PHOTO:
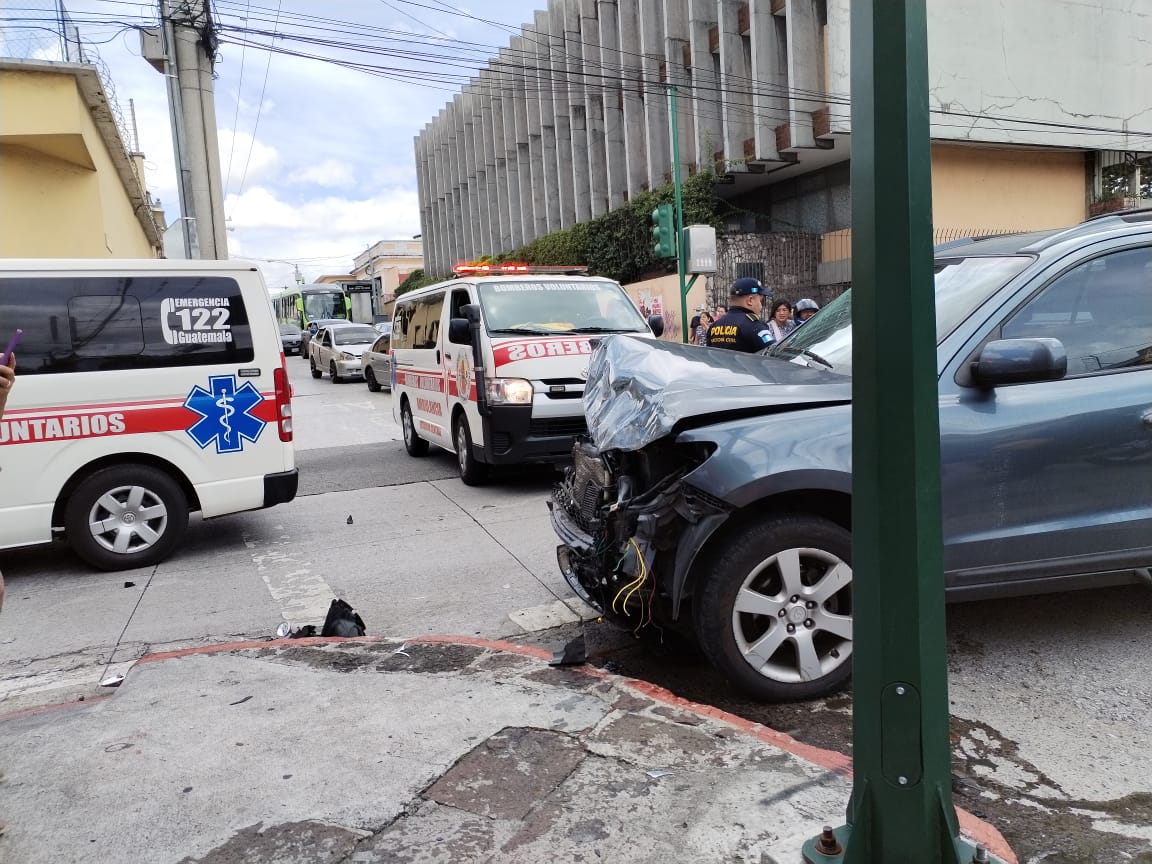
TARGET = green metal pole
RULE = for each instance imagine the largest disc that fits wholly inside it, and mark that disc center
(674, 125)
(901, 810)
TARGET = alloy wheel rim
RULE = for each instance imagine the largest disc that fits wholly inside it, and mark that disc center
(792, 617)
(128, 519)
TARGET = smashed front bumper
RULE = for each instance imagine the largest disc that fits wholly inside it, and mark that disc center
(627, 554)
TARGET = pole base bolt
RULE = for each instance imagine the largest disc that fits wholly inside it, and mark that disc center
(980, 856)
(827, 844)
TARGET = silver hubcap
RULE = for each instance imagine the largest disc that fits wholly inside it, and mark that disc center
(409, 432)
(461, 448)
(793, 616)
(128, 519)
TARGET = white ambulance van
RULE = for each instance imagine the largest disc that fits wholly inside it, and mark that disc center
(145, 390)
(491, 365)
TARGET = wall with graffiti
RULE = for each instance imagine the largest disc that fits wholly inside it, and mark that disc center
(661, 296)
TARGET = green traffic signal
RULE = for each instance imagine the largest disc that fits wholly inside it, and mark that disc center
(663, 232)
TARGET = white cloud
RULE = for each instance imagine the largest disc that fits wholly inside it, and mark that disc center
(322, 235)
(244, 160)
(330, 172)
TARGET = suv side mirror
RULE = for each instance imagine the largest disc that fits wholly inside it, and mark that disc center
(656, 323)
(1019, 361)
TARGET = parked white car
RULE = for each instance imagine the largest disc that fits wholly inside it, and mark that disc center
(377, 363)
(337, 348)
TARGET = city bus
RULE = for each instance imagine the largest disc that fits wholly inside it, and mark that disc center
(302, 304)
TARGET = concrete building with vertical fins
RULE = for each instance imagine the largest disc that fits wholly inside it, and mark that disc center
(1034, 126)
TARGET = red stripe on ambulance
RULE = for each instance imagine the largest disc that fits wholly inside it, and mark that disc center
(70, 426)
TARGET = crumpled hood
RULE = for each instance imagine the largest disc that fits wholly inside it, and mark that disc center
(639, 390)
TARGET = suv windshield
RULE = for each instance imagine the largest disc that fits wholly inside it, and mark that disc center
(962, 285)
(585, 306)
(353, 335)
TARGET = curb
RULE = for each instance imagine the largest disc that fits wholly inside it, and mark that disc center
(972, 827)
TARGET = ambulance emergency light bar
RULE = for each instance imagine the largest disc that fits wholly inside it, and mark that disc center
(513, 269)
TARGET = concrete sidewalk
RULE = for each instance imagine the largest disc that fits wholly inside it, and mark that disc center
(434, 750)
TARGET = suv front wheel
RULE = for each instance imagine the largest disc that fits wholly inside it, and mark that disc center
(773, 609)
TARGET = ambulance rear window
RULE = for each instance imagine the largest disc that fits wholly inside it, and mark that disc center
(105, 323)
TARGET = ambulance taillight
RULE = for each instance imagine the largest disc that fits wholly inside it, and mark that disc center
(283, 399)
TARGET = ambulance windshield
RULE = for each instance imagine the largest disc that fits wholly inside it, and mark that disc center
(562, 306)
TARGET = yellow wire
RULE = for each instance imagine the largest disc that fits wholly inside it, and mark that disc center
(633, 585)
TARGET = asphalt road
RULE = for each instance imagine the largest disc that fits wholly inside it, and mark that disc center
(1050, 722)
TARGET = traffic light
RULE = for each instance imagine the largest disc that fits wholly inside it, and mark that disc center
(663, 232)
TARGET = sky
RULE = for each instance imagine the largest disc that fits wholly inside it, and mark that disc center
(317, 159)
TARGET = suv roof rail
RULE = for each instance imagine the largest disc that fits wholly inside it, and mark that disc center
(1132, 214)
(1094, 225)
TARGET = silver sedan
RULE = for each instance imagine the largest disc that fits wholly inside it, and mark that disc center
(376, 362)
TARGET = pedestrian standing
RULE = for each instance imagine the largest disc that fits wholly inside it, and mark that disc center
(701, 332)
(805, 309)
(780, 322)
(742, 329)
(693, 325)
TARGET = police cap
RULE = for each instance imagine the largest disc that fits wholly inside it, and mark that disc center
(746, 285)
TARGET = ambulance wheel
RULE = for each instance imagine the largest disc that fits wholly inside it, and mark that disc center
(316, 373)
(126, 516)
(370, 377)
(413, 443)
(473, 473)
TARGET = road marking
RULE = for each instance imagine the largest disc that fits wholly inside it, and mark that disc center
(302, 595)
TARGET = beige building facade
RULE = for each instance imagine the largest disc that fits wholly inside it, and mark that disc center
(988, 190)
(69, 185)
(386, 264)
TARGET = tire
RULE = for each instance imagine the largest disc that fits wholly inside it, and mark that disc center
(370, 377)
(316, 373)
(473, 473)
(413, 443)
(107, 498)
(785, 571)
(332, 372)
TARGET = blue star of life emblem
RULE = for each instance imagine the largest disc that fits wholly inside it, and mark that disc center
(225, 414)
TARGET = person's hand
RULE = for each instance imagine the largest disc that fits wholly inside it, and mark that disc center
(7, 379)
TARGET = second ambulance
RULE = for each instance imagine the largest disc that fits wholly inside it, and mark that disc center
(491, 365)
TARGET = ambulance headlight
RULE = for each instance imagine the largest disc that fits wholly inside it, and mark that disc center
(508, 391)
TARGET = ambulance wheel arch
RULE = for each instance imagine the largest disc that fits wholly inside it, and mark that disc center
(472, 471)
(141, 504)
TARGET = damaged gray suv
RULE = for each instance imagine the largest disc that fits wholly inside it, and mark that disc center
(714, 494)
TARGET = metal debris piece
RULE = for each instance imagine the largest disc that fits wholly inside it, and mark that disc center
(349, 518)
(112, 681)
(240, 701)
(574, 653)
(129, 584)
(657, 773)
(401, 650)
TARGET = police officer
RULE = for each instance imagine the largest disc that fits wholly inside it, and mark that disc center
(741, 328)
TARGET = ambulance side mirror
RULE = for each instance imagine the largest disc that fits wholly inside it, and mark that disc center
(459, 331)
(656, 323)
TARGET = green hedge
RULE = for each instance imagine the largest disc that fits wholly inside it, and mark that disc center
(619, 243)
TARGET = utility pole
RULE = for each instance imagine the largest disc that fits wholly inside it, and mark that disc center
(184, 50)
(901, 810)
